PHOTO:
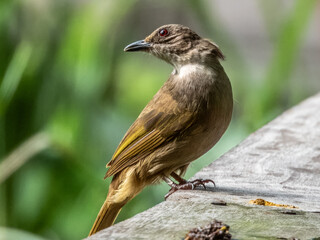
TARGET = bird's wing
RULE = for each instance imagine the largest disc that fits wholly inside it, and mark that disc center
(151, 129)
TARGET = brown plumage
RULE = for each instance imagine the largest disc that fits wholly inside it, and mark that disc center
(185, 118)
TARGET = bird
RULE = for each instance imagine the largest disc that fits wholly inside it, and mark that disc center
(183, 120)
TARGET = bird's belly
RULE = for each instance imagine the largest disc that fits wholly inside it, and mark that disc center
(184, 149)
(199, 142)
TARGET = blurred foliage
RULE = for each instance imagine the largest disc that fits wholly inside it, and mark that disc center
(68, 93)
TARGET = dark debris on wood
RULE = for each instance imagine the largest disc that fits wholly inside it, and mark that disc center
(213, 231)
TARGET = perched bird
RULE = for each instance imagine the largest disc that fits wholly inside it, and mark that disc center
(185, 118)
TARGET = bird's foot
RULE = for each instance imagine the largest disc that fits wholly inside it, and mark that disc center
(187, 185)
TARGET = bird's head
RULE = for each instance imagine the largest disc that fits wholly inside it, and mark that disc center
(177, 45)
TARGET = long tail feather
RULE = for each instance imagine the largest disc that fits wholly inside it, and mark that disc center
(106, 216)
(123, 187)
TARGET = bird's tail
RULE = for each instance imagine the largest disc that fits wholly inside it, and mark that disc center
(106, 216)
(122, 189)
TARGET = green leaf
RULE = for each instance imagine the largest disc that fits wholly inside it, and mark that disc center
(14, 74)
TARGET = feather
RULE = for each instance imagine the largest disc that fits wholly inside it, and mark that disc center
(152, 128)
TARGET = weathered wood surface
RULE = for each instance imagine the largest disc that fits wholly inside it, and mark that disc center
(279, 163)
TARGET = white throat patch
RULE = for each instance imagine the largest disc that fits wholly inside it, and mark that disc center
(188, 69)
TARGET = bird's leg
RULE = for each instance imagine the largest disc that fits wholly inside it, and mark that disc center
(173, 185)
(183, 184)
(196, 182)
(178, 178)
(169, 182)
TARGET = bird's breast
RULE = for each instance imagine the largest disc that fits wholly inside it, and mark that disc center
(206, 92)
(192, 86)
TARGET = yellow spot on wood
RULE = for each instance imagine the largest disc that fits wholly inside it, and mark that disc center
(263, 202)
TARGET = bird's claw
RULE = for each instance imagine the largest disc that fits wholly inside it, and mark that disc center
(188, 185)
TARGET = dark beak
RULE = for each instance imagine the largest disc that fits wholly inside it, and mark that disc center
(137, 46)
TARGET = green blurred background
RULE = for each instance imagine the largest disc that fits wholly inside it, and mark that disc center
(68, 93)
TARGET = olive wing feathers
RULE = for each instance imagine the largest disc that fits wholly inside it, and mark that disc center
(147, 133)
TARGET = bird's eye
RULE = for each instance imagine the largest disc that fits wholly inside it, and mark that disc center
(163, 32)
